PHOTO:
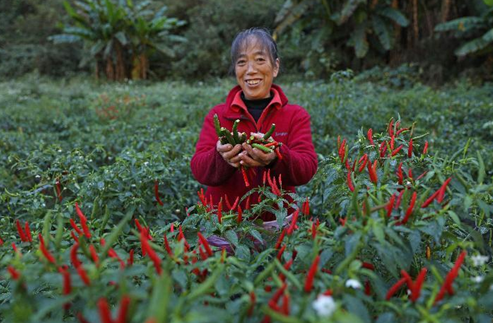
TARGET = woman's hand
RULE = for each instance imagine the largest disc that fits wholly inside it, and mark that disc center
(254, 157)
(229, 153)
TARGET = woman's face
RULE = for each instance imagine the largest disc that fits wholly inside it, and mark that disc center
(255, 71)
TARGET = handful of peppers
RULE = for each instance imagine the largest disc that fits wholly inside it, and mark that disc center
(266, 143)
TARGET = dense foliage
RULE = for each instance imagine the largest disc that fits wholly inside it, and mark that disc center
(315, 38)
(122, 153)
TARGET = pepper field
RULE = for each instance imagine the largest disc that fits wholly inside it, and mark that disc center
(401, 235)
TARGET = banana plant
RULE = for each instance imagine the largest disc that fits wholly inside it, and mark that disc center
(480, 28)
(119, 35)
(368, 23)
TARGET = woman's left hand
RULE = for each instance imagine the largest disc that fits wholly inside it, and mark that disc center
(253, 157)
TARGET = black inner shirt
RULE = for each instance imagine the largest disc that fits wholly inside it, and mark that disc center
(256, 107)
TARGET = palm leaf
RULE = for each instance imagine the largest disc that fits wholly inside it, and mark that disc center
(382, 32)
(291, 14)
(461, 24)
(476, 45)
(347, 11)
(394, 15)
(360, 41)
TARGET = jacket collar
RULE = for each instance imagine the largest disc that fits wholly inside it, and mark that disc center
(235, 104)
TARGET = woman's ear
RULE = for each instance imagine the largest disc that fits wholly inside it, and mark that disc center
(276, 67)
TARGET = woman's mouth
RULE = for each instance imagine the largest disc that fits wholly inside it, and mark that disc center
(252, 82)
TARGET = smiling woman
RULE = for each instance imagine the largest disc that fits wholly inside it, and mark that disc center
(257, 103)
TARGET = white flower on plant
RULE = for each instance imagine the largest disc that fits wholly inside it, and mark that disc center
(478, 279)
(353, 283)
(324, 305)
(479, 260)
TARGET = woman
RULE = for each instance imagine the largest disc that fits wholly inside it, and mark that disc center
(257, 103)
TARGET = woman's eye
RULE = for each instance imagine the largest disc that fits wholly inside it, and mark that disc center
(240, 62)
(260, 59)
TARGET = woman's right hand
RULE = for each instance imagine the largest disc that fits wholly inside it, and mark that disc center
(229, 153)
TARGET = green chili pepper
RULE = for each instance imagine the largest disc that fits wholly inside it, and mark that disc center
(264, 149)
(225, 132)
(235, 131)
(270, 132)
(217, 125)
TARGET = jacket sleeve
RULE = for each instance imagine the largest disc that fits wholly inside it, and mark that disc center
(299, 160)
(208, 167)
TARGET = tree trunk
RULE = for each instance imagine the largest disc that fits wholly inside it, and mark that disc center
(445, 10)
(120, 62)
(110, 70)
(415, 23)
(143, 66)
(394, 52)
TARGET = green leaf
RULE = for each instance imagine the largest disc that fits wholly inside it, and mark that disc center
(256, 235)
(394, 15)
(159, 300)
(382, 32)
(461, 24)
(232, 237)
(357, 307)
(361, 45)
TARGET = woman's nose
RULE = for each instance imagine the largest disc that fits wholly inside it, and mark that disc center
(251, 68)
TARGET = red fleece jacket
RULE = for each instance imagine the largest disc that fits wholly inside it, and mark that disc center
(299, 162)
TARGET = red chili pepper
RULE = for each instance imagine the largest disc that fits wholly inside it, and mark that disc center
(418, 284)
(75, 227)
(73, 255)
(247, 203)
(305, 209)
(181, 236)
(83, 275)
(370, 136)
(348, 167)
(392, 141)
(67, 286)
(28, 232)
(449, 279)
(293, 222)
(367, 265)
(422, 175)
(311, 274)
(410, 149)
(45, 251)
(342, 151)
(362, 162)
(408, 278)
(285, 304)
(205, 243)
(430, 199)
(166, 245)
(390, 205)
(201, 196)
(279, 240)
(15, 274)
(425, 148)
(58, 190)
(219, 212)
(367, 288)
(122, 312)
(409, 210)
(245, 176)
(343, 221)
(83, 221)
(104, 311)
(391, 127)
(278, 153)
(240, 215)
(130, 260)
(350, 182)
(152, 254)
(410, 173)
(315, 228)
(372, 170)
(156, 193)
(277, 295)
(94, 254)
(253, 299)
(74, 236)
(400, 131)
(394, 152)
(1, 242)
(15, 249)
(112, 253)
(399, 199)
(395, 288)
(20, 231)
(383, 149)
(280, 252)
(441, 191)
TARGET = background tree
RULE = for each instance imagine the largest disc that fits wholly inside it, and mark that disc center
(119, 35)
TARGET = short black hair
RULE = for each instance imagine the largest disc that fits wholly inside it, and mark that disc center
(261, 35)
